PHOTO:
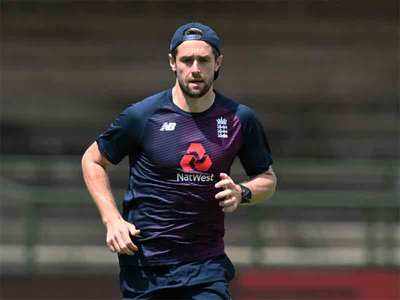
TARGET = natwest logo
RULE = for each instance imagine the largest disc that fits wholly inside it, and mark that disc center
(194, 163)
(196, 159)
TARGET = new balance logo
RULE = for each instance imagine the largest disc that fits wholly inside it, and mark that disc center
(168, 126)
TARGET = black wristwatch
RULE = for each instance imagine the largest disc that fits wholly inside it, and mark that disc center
(246, 194)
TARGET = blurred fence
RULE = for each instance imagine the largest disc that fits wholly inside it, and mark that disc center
(371, 240)
(51, 225)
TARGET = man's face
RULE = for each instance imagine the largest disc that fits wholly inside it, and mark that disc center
(195, 65)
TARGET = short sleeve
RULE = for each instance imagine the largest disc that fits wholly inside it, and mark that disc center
(255, 153)
(119, 139)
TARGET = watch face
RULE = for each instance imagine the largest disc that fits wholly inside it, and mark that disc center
(246, 194)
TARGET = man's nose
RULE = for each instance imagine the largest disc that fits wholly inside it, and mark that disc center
(195, 67)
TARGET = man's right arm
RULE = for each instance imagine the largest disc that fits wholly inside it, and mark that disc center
(94, 169)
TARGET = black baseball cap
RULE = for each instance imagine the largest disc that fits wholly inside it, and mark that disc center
(195, 31)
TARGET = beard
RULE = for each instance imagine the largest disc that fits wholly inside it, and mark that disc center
(195, 93)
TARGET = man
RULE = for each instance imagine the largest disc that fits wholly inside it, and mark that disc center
(181, 144)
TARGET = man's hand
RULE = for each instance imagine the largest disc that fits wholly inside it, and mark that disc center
(231, 195)
(118, 236)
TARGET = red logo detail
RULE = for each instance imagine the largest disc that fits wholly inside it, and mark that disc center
(196, 159)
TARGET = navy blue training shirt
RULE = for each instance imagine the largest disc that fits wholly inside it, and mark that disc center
(175, 159)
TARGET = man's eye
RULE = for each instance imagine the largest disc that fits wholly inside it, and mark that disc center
(203, 59)
(186, 60)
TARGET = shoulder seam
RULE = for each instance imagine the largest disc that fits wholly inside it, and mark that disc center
(157, 98)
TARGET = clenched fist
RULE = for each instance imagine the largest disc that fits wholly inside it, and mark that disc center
(230, 196)
(119, 236)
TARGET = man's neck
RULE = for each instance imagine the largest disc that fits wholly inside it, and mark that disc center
(190, 104)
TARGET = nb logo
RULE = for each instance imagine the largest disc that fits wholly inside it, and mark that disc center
(168, 126)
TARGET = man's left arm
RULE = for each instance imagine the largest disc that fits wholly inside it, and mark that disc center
(261, 186)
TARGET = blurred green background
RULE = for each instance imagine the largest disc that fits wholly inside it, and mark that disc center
(323, 77)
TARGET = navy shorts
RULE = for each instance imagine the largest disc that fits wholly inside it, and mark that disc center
(200, 280)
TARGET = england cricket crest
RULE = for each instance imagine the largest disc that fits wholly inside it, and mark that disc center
(222, 128)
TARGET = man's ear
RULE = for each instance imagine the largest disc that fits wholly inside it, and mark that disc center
(172, 62)
(218, 62)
